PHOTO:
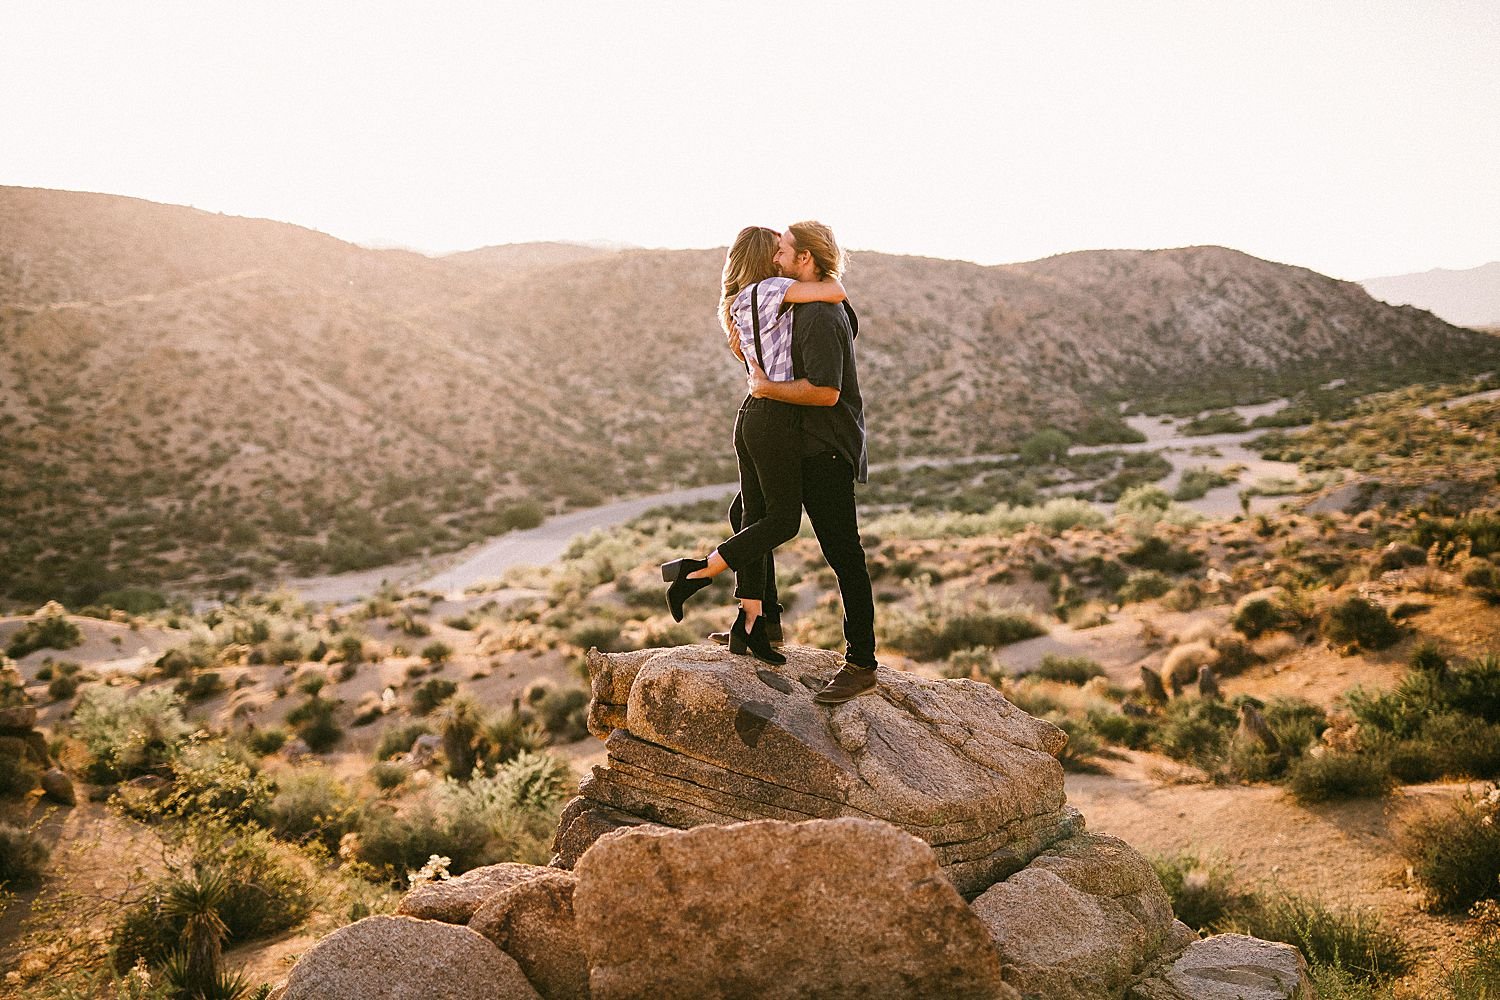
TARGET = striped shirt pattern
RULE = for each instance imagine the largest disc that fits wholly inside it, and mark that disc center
(775, 327)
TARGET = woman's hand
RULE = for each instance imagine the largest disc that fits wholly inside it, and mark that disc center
(756, 382)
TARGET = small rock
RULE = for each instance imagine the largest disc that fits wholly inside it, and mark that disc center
(402, 958)
(454, 900)
(58, 787)
(1229, 967)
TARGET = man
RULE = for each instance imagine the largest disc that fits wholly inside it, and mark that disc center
(825, 380)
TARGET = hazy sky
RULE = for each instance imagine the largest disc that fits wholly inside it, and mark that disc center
(1357, 138)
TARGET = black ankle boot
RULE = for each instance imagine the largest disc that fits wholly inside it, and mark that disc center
(676, 573)
(754, 641)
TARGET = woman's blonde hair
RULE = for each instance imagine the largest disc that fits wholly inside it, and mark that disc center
(751, 258)
(817, 239)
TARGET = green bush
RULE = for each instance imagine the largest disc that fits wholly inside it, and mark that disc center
(1158, 554)
(1081, 752)
(431, 693)
(52, 632)
(1144, 585)
(312, 803)
(128, 735)
(1195, 483)
(1338, 775)
(133, 600)
(938, 627)
(268, 891)
(1354, 942)
(209, 781)
(1257, 614)
(1067, 669)
(22, 857)
(398, 739)
(597, 632)
(62, 687)
(18, 775)
(200, 686)
(1357, 621)
(387, 775)
(314, 723)
(563, 713)
(266, 741)
(1454, 851)
(1203, 893)
(437, 652)
(1196, 731)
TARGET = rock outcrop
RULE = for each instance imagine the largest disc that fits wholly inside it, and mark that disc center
(696, 735)
(743, 841)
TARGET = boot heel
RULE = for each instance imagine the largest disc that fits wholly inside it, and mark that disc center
(738, 641)
(670, 570)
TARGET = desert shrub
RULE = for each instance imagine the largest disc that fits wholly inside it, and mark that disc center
(597, 632)
(398, 739)
(313, 804)
(1256, 614)
(1045, 447)
(1357, 621)
(209, 782)
(200, 686)
(18, 775)
(437, 652)
(267, 891)
(660, 633)
(431, 693)
(1067, 669)
(351, 649)
(266, 741)
(1196, 483)
(387, 775)
(1297, 723)
(127, 736)
(939, 626)
(1355, 942)
(1081, 752)
(1454, 850)
(1219, 422)
(1478, 530)
(1485, 578)
(1144, 585)
(1338, 775)
(1120, 729)
(461, 725)
(312, 683)
(1235, 654)
(23, 856)
(974, 663)
(564, 714)
(315, 724)
(1441, 719)
(506, 735)
(133, 600)
(1195, 730)
(1203, 893)
(61, 687)
(52, 632)
(1156, 553)
(505, 816)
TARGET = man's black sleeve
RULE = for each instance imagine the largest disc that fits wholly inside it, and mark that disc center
(823, 348)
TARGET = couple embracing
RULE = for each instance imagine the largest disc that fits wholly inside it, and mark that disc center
(800, 441)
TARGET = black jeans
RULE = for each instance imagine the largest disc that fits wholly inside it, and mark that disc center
(828, 496)
(768, 444)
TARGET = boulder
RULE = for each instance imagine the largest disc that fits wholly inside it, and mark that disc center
(1229, 967)
(454, 900)
(532, 922)
(17, 718)
(770, 909)
(696, 735)
(402, 958)
(1081, 921)
(58, 787)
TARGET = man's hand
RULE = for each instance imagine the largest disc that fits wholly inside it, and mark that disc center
(732, 339)
(756, 382)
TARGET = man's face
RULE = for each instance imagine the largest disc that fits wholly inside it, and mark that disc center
(786, 258)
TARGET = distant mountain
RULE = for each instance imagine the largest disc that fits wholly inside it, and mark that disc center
(1466, 298)
(201, 401)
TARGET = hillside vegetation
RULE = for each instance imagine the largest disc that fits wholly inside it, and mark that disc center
(202, 403)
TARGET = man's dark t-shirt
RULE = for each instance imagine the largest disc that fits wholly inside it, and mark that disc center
(823, 353)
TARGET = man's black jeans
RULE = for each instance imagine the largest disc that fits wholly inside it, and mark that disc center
(828, 496)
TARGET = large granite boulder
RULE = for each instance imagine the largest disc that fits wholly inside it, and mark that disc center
(454, 900)
(1081, 921)
(532, 922)
(1229, 967)
(403, 958)
(769, 909)
(696, 735)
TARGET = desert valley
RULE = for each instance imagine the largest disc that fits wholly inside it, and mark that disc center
(291, 636)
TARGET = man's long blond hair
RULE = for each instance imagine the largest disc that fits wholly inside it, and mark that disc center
(751, 258)
(817, 239)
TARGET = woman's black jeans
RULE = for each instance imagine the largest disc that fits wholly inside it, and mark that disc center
(768, 444)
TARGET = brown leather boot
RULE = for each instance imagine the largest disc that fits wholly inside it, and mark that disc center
(849, 682)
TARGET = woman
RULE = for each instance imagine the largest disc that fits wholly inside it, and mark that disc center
(754, 310)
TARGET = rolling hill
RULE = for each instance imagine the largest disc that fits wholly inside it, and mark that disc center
(200, 402)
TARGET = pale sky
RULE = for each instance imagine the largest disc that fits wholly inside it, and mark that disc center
(1355, 137)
